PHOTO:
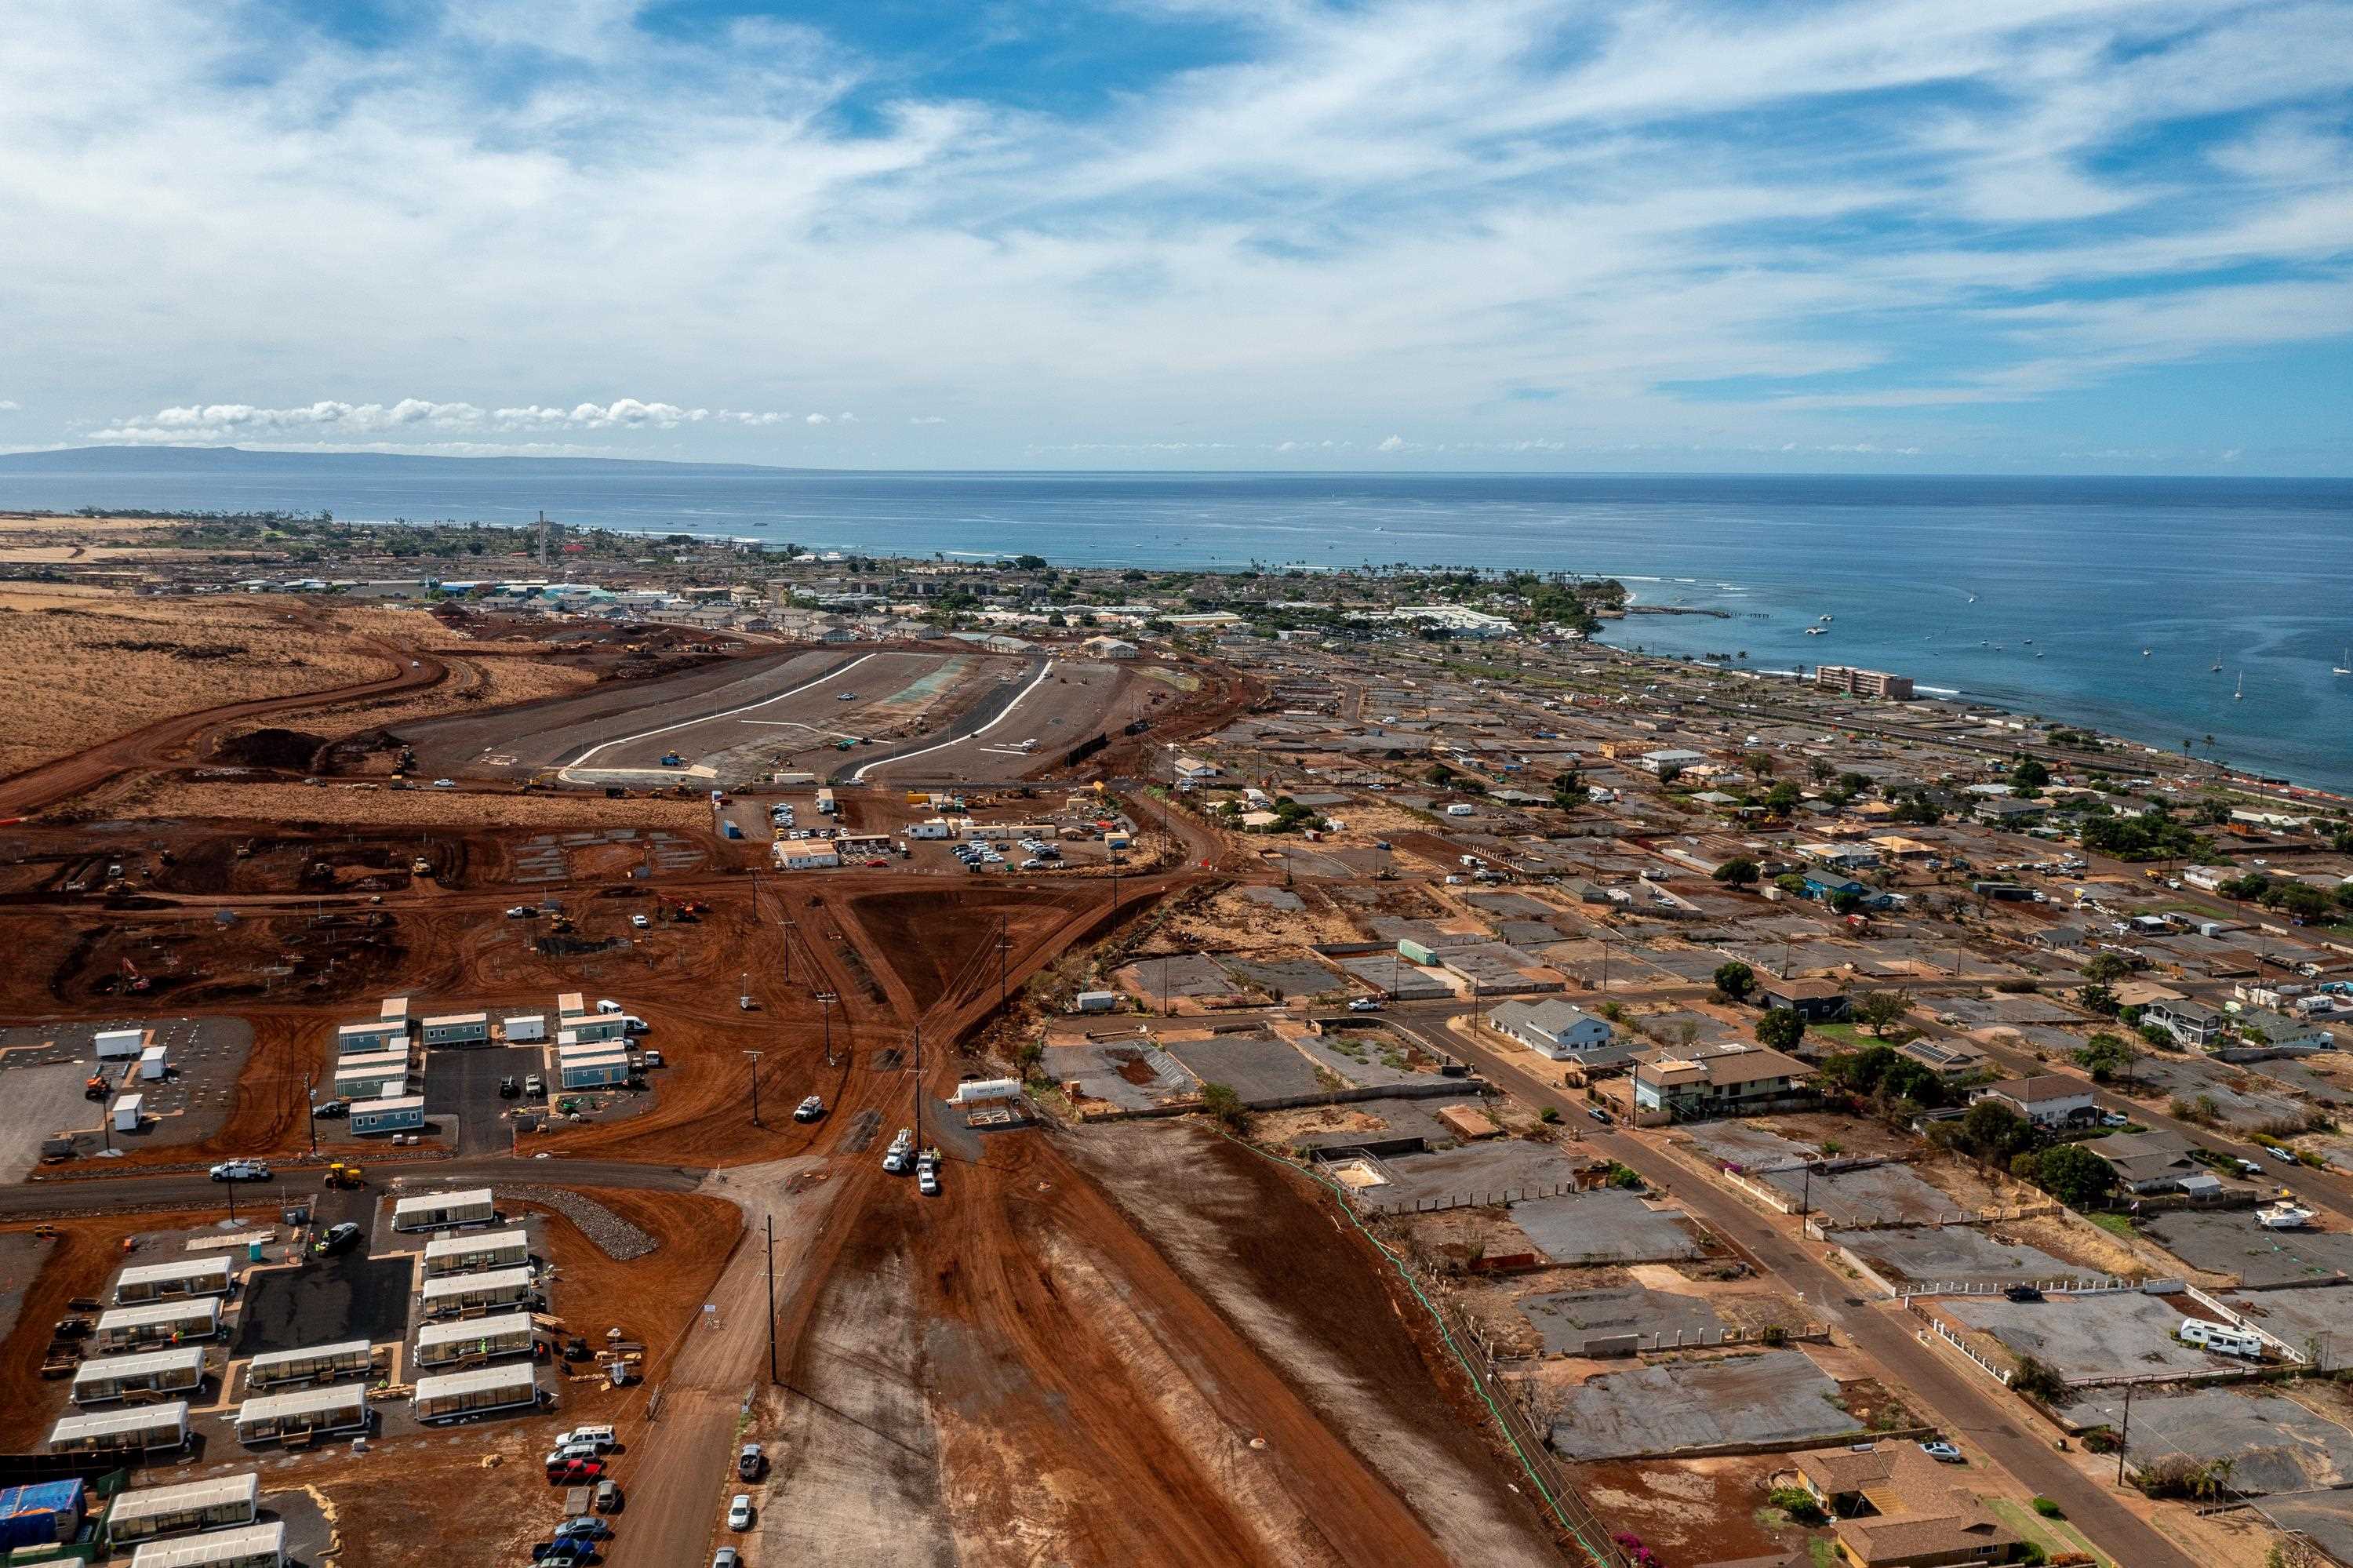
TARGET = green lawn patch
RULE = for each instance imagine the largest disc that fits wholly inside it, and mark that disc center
(2055, 1536)
(2116, 1223)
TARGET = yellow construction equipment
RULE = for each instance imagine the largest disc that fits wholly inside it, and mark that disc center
(339, 1174)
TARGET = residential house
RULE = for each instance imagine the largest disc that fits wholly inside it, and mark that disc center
(1891, 1506)
(2048, 1099)
(1815, 1000)
(2150, 1162)
(1950, 1059)
(1671, 760)
(2278, 1031)
(1682, 1084)
(2190, 1022)
(2007, 812)
(1560, 1029)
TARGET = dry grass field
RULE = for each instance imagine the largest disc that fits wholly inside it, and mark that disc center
(342, 805)
(87, 665)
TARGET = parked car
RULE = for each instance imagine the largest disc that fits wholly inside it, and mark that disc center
(534, 1085)
(576, 1472)
(520, 912)
(1598, 1114)
(587, 1525)
(739, 1511)
(1943, 1452)
(653, 1058)
(2114, 1118)
(725, 1557)
(1365, 1004)
(333, 1110)
(445, 783)
(598, 1437)
(608, 1497)
(340, 1238)
(567, 1451)
(751, 1463)
(2023, 1293)
(639, 921)
(810, 1108)
(927, 1177)
(241, 1170)
(607, 1004)
(509, 1088)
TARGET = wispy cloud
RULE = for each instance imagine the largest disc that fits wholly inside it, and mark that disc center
(1819, 228)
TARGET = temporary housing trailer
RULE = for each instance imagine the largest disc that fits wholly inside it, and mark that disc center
(180, 1370)
(129, 1112)
(318, 1363)
(524, 1026)
(246, 1546)
(120, 1044)
(154, 1064)
(440, 1211)
(365, 1077)
(140, 1428)
(309, 1412)
(475, 1392)
(158, 1323)
(152, 1511)
(464, 1255)
(590, 1027)
(389, 1112)
(453, 1294)
(371, 1039)
(394, 1011)
(602, 1070)
(474, 1339)
(459, 1029)
(176, 1281)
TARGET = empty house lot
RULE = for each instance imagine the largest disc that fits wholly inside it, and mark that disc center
(1179, 978)
(44, 1101)
(2317, 1324)
(1956, 1254)
(2325, 1518)
(2274, 1443)
(1693, 1406)
(1282, 978)
(1119, 1076)
(1262, 1070)
(1392, 976)
(1568, 1320)
(1472, 1174)
(2228, 1241)
(1606, 1226)
(1871, 1194)
(2088, 1338)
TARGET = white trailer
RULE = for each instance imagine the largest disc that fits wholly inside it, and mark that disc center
(524, 1027)
(458, 1029)
(455, 1294)
(140, 1429)
(306, 1413)
(120, 1044)
(152, 1511)
(389, 1112)
(468, 1254)
(603, 1069)
(394, 1011)
(129, 1112)
(475, 1339)
(180, 1370)
(246, 1546)
(444, 1211)
(475, 1392)
(371, 1039)
(316, 1364)
(157, 1324)
(175, 1280)
(154, 1063)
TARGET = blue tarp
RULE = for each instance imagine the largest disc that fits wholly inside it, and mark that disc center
(40, 1514)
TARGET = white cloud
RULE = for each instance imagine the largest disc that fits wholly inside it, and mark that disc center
(10, 406)
(194, 424)
(1393, 444)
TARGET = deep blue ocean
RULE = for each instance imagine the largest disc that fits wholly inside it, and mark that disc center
(2038, 594)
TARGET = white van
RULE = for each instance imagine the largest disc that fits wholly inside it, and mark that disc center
(2222, 1339)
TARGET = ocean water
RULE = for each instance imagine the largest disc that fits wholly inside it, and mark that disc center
(2102, 601)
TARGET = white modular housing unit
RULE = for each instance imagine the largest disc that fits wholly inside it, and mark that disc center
(151, 1511)
(601, 1070)
(157, 1324)
(120, 1044)
(139, 1428)
(316, 1364)
(440, 1211)
(466, 1254)
(394, 1011)
(321, 1412)
(180, 1370)
(173, 1281)
(129, 1112)
(524, 1027)
(365, 1077)
(389, 1113)
(454, 1294)
(246, 1546)
(474, 1339)
(371, 1039)
(474, 1393)
(154, 1064)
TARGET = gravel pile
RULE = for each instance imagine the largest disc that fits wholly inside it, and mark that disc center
(615, 1237)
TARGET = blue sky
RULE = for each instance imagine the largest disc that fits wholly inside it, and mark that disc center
(1894, 235)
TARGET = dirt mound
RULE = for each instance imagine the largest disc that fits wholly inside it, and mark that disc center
(292, 748)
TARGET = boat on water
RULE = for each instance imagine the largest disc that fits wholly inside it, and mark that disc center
(2144, 652)
(1815, 630)
(2240, 695)
(2345, 668)
(1824, 618)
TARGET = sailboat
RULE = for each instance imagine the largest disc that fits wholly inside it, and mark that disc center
(2345, 668)
(2216, 665)
(2241, 693)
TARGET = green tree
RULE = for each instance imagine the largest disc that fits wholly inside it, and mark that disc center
(1782, 798)
(2071, 1173)
(1737, 873)
(1734, 979)
(1993, 1132)
(1878, 1009)
(1845, 901)
(1225, 1106)
(2030, 776)
(1439, 775)
(1780, 1029)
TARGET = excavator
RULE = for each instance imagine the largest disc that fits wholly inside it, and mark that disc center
(131, 978)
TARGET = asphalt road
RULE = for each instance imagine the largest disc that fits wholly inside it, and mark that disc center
(1963, 1401)
(196, 1191)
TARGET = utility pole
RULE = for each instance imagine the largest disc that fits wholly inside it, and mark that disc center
(311, 1094)
(2124, 1435)
(1004, 945)
(772, 1378)
(919, 1086)
(825, 999)
(755, 1056)
(791, 928)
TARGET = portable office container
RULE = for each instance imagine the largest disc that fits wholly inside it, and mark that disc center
(141, 1429)
(144, 1514)
(598, 1072)
(458, 1029)
(455, 1293)
(318, 1412)
(153, 1063)
(439, 1211)
(120, 1044)
(472, 1339)
(466, 1254)
(175, 1280)
(394, 1011)
(129, 1112)
(371, 1039)
(361, 1077)
(180, 1370)
(246, 1546)
(475, 1392)
(158, 1324)
(525, 1026)
(316, 1364)
(41, 1515)
(391, 1113)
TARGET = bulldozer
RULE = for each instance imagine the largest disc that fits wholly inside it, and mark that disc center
(95, 1088)
(341, 1174)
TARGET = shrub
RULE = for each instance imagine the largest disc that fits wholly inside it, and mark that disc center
(1797, 1503)
(1548, 1115)
(2048, 1508)
(2038, 1380)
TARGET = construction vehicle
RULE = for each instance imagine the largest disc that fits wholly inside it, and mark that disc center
(420, 866)
(341, 1174)
(672, 759)
(131, 978)
(95, 1088)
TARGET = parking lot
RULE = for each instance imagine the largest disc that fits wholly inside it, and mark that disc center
(464, 1084)
(350, 1297)
(43, 1069)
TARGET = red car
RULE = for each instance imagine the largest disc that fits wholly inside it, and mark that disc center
(575, 1473)
(876, 864)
